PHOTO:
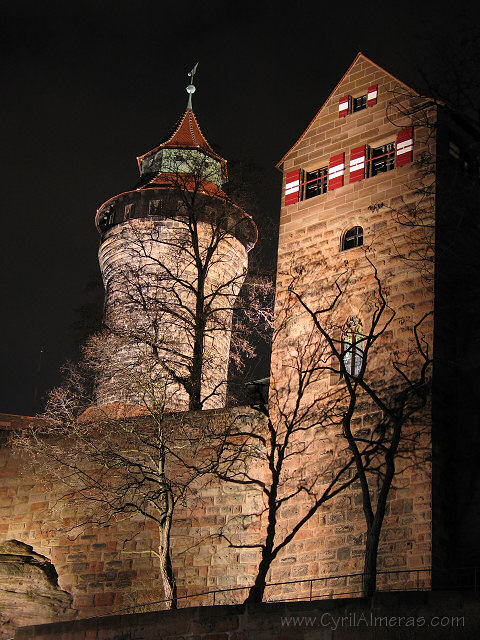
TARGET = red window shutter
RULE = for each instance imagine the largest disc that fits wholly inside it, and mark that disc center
(336, 171)
(357, 164)
(343, 105)
(404, 150)
(372, 95)
(292, 187)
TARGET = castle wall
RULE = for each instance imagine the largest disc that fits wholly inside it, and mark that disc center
(111, 569)
(216, 530)
(430, 616)
(101, 567)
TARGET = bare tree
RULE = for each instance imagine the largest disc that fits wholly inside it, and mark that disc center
(172, 284)
(441, 221)
(277, 459)
(401, 395)
(175, 286)
(119, 462)
(310, 450)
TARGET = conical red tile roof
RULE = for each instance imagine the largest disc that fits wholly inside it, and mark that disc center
(187, 135)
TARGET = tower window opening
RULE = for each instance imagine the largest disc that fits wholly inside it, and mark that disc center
(352, 346)
(353, 238)
(359, 103)
(382, 159)
(316, 182)
(461, 159)
(154, 208)
(129, 211)
(103, 221)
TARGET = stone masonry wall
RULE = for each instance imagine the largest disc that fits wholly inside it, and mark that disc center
(108, 569)
(422, 616)
(111, 569)
(311, 260)
(148, 269)
(101, 568)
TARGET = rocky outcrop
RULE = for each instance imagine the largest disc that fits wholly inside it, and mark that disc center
(29, 591)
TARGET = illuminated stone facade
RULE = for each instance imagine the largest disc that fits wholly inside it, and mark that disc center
(346, 185)
(173, 254)
(380, 191)
(375, 155)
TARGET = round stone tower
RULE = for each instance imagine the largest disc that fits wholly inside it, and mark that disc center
(173, 256)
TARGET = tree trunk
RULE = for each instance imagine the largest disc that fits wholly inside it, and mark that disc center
(375, 527)
(195, 399)
(369, 585)
(268, 555)
(166, 569)
(258, 589)
(164, 529)
(373, 534)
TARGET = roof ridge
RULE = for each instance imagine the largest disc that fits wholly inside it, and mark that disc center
(191, 127)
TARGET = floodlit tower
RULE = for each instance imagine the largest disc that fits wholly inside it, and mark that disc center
(173, 256)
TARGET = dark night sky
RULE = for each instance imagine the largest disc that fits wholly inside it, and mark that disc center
(88, 86)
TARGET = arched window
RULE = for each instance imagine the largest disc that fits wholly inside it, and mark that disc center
(353, 345)
(352, 238)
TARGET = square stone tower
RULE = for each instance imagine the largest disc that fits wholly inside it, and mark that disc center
(379, 202)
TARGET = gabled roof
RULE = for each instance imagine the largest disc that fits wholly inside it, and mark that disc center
(359, 56)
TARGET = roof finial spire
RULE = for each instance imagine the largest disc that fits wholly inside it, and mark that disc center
(191, 86)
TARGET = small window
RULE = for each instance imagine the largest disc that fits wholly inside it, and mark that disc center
(154, 208)
(352, 238)
(382, 158)
(316, 182)
(129, 211)
(103, 221)
(359, 103)
(460, 158)
(352, 346)
(454, 150)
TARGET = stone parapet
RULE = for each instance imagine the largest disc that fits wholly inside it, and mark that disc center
(420, 615)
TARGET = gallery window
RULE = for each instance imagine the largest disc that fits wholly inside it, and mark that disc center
(463, 163)
(129, 211)
(352, 346)
(352, 238)
(154, 207)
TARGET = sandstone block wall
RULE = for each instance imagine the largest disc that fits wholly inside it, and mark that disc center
(102, 568)
(111, 569)
(149, 273)
(311, 259)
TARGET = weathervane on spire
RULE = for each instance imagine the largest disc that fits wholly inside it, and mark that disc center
(191, 86)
